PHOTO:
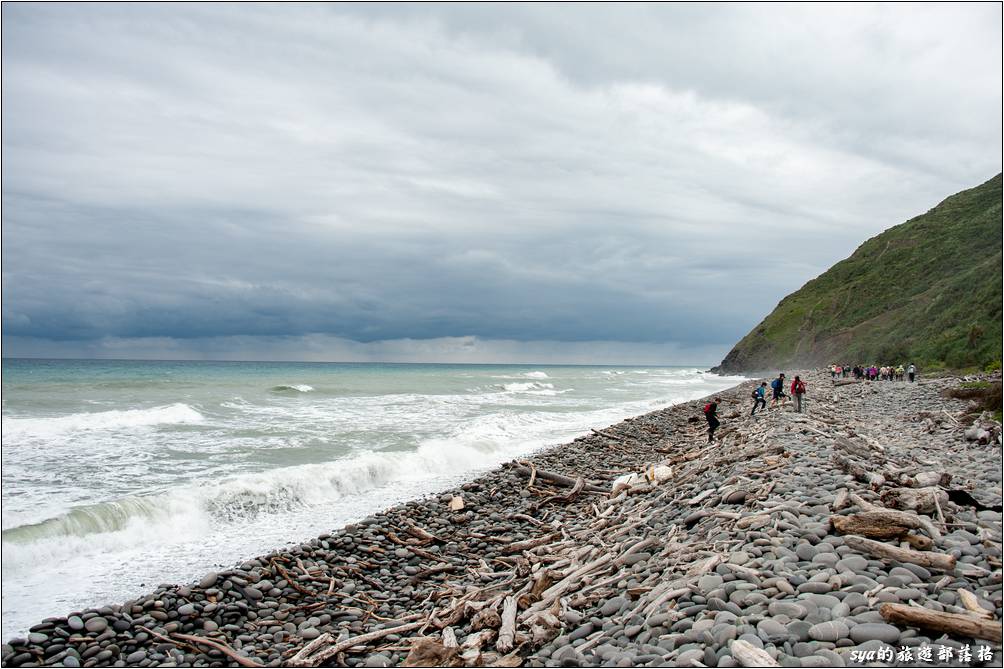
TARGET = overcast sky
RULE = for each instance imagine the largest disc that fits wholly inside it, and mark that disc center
(570, 183)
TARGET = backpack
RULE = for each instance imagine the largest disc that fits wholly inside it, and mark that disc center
(756, 393)
(799, 388)
(707, 408)
(775, 384)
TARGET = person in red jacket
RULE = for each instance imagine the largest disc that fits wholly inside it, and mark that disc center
(797, 390)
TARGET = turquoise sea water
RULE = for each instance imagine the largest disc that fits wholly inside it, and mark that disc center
(120, 475)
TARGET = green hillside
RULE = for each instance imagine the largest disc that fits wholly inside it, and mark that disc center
(927, 291)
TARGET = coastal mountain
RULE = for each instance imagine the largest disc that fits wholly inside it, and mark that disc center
(927, 291)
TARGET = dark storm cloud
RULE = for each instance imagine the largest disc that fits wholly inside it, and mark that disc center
(186, 177)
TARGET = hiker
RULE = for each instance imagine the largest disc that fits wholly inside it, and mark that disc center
(899, 373)
(758, 398)
(840, 371)
(777, 385)
(797, 390)
(710, 411)
(911, 372)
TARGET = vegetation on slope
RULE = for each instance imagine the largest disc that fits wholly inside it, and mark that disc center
(927, 291)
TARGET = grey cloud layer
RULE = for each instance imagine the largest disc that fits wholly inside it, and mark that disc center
(523, 173)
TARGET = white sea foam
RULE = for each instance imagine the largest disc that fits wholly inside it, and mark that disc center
(177, 413)
(168, 505)
(536, 375)
(527, 387)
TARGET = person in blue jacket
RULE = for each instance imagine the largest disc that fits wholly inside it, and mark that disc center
(777, 385)
(758, 397)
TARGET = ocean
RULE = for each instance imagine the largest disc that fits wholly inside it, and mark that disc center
(122, 475)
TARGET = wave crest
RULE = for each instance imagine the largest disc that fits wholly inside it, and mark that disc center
(177, 413)
(293, 387)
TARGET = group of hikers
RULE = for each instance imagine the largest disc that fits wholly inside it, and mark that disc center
(797, 389)
(873, 373)
(778, 398)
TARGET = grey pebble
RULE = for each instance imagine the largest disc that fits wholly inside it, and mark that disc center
(828, 631)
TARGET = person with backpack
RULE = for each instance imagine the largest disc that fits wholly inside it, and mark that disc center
(758, 397)
(797, 390)
(710, 412)
(777, 385)
(911, 372)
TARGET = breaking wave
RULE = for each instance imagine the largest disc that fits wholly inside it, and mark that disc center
(295, 387)
(172, 414)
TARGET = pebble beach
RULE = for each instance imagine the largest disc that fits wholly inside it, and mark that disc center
(795, 539)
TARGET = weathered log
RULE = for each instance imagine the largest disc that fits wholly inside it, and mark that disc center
(858, 450)
(911, 520)
(428, 652)
(971, 602)
(222, 647)
(520, 546)
(955, 624)
(845, 382)
(941, 561)
(608, 435)
(748, 655)
(929, 479)
(507, 632)
(312, 655)
(919, 500)
(419, 533)
(558, 479)
(873, 524)
(918, 542)
(858, 471)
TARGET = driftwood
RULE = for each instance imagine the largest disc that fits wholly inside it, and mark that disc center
(222, 647)
(557, 479)
(941, 561)
(970, 601)
(419, 533)
(520, 546)
(956, 624)
(428, 652)
(312, 655)
(507, 632)
(844, 382)
(873, 524)
(858, 471)
(920, 500)
(911, 520)
(748, 655)
(608, 435)
(918, 542)
(580, 483)
(928, 479)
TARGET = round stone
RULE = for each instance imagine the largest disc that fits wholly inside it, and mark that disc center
(875, 632)
(790, 609)
(828, 631)
(613, 605)
(209, 580)
(136, 658)
(853, 563)
(710, 582)
(96, 625)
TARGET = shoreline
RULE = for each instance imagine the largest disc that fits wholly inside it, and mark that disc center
(441, 573)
